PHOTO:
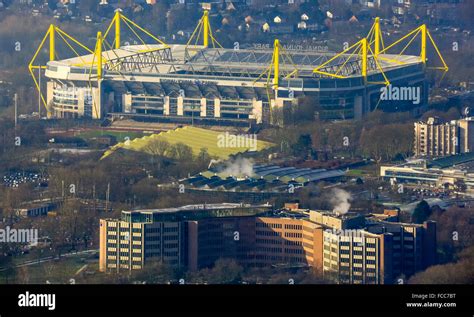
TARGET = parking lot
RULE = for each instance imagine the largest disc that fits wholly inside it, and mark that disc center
(15, 179)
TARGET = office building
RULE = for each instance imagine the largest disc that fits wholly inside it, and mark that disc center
(288, 239)
(344, 248)
(191, 236)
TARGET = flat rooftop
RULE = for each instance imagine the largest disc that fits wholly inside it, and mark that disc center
(197, 208)
(343, 216)
(194, 212)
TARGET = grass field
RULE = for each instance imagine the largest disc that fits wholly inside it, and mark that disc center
(368, 170)
(54, 272)
(196, 138)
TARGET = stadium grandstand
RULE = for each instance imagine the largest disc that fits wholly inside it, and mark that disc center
(196, 138)
(202, 82)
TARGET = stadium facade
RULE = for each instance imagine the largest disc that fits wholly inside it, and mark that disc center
(200, 83)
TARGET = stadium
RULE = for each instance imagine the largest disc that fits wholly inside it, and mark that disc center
(204, 83)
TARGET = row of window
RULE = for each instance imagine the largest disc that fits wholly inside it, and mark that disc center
(289, 242)
(293, 235)
(267, 233)
(294, 251)
(268, 241)
(294, 227)
(269, 225)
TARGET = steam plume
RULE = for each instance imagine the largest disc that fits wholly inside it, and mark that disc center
(341, 201)
(239, 167)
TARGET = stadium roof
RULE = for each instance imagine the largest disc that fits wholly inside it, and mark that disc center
(179, 60)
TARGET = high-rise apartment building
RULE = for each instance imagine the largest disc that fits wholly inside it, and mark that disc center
(435, 138)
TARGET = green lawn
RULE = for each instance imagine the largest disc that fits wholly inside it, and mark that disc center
(55, 271)
(355, 172)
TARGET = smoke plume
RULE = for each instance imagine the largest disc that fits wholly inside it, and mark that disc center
(341, 201)
(239, 167)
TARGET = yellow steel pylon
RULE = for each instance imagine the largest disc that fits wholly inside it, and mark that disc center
(273, 70)
(276, 64)
(51, 34)
(377, 35)
(52, 44)
(118, 20)
(203, 27)
(117, 29)
(375, 39)
(98, 55)
(362, 49)
(412, 36)
(205, 23)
